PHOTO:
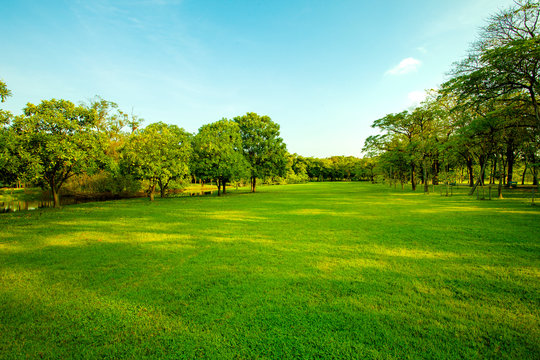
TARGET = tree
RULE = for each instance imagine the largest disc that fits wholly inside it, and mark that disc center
(217, 153)
(158, 153)
(4, 91)
(264, 150)
(58, 140)
(504, 64)
(396, 125)
(8, 159)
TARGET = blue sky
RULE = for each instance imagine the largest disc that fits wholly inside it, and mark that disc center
(323, 70)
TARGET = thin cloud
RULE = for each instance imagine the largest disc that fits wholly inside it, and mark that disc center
(416, 97)
(422, 49)
(405, 66)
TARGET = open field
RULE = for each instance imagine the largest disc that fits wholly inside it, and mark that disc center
(343, 270)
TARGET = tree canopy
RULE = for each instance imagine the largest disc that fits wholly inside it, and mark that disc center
(218, 154)
(57, 140)
(263, 148)
(157, 153)
(482, 119)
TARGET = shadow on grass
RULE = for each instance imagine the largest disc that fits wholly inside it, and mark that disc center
(275, 274)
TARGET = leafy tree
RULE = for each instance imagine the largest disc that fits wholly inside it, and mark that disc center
(4, 91)
(158, 153)
(401, 125)
(8, 159)
(114, 125)
(314, 168)
(264, 150)
(109, 118)
(217, 153)
(504, 65)
(58, 140)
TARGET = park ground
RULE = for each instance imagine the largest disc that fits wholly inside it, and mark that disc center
(317, 270)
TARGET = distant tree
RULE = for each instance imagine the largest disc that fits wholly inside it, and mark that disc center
(401, 125)
(217, 153)
(368, 166)
(59, 142)
(314, 168)
(264, 150)
(298, 166)
(158, 153)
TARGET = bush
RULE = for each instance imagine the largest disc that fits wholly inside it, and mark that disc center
(103, 182)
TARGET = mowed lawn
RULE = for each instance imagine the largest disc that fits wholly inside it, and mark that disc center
(319, 270)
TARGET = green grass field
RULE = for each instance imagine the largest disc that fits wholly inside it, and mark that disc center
(320, 270)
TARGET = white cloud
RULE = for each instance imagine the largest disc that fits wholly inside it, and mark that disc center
(416, 97)
(422, 49)
(405, 66)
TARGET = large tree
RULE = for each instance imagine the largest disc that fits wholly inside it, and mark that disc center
(263, 148)
(58, 141)
(158, 153)
(504, 64)
(217, 153)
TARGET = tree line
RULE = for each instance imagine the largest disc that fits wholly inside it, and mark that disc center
(97, 147)
(483, 121)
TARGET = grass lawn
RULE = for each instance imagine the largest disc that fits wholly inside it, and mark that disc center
(319, 270)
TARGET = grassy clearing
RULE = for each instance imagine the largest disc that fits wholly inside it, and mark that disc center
(343, 270)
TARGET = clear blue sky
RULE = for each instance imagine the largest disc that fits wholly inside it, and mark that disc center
(323, 70)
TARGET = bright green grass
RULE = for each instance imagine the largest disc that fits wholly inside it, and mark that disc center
(321, 270)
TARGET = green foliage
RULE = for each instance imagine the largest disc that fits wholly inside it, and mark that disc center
(57, 141)
(4, 91)
(218, 154)
(296, 169)
(9, 161)
(481, 119)
(263, 148)
(103, 181)
(158, 153)
(504, 64)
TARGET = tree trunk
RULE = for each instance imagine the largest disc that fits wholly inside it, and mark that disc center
(253, 183)
(470, 171)
(523, 175)
(54, 191)
(501, 177)
(479, 181)
(163, 188)
(56, 197)
(424, 177)
(218, 182)
(493, 171)
(413, 182)
(510, 158)
(436, 170)
(482, 160)
(151, 191)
